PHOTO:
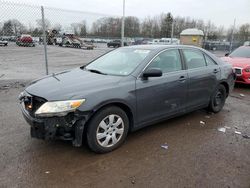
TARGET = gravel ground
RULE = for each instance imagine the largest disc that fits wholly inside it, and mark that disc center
(198, 155)
(28, 63)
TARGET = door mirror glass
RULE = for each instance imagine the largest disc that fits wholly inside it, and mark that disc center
(152, 72)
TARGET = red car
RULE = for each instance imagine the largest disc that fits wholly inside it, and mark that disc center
(25, 40)
(240, 60)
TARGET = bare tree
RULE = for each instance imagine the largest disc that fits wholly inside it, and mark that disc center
(40, 23)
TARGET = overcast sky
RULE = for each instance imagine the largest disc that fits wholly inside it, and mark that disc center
(220, 12)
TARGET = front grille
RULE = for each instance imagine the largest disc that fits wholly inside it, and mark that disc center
(32, 103)
(238, 71)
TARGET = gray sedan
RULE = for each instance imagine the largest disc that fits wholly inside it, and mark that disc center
(125, 90)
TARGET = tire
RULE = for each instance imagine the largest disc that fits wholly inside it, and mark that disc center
(111, 136)
(218, 99)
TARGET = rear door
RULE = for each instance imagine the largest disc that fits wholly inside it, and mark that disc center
(202, 78)
(162, 96)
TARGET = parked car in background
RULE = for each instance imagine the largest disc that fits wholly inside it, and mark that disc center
(125, 90)
(156, 41)
(246, 43)
(240, 60)
(167, 41)
(143, 41)
(116, 43)
(25, 40)
(3, 42)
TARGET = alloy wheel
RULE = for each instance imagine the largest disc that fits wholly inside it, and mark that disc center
(110, 130)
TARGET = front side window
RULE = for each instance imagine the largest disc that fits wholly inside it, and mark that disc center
(119, 62)
(194, 59)
(167, 61)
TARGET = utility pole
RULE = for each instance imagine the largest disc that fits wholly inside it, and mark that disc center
(45, 41)
(232, 37)
(123, 23)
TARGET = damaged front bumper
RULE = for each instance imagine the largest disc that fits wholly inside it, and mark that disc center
(69, 127)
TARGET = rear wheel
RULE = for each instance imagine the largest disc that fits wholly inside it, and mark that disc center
(218, 99)
(107, 130)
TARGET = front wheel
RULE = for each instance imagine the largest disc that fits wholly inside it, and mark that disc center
(107, 130)
(218, 99)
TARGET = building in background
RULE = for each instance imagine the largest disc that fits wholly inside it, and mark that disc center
(192, 36)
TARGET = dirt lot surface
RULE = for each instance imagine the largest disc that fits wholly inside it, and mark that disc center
(198, 155)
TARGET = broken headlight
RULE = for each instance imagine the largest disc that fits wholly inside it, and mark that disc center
(58, 108)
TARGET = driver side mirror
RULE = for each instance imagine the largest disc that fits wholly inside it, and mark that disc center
(227, 54)
(152, 72)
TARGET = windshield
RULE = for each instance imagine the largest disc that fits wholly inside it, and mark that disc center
(122, 61)
(241, 52)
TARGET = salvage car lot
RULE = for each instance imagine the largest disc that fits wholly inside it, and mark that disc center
(28, 62)
(198, 155)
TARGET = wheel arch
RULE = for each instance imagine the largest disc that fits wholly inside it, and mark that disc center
(125, 107)
(226, 85)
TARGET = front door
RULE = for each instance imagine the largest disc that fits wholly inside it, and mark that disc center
(162, 96)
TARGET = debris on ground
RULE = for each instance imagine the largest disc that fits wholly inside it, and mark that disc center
(222, 129)
(47, 172)
(164, 146)
(242, 95)
(246, 136)
(235, 127)
(237, 132)
(132, 179)
(207, 116)
(202, 122)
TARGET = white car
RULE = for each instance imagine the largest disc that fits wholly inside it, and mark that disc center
(247, 43)
(3, 42)
(167, 41)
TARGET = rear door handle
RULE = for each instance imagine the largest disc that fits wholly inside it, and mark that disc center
(216, 71)
(182, 78)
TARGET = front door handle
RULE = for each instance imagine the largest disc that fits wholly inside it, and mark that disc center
(182, 78)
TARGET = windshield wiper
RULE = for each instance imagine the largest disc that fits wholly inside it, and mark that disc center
(96, 71)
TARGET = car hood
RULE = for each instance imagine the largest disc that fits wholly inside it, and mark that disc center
(237, 61)
(73, 84)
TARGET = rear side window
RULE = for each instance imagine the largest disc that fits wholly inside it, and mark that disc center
(209, 61)
(194, 59)
(167, 61)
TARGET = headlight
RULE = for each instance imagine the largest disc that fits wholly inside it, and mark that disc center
(247, 69)
(58, 108)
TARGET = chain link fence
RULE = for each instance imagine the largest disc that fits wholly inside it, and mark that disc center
(35, 34)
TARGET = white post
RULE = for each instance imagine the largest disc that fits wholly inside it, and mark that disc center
(123, 23)
(45, 41)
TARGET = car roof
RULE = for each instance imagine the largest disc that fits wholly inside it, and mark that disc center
(160, 47)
